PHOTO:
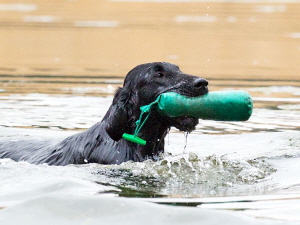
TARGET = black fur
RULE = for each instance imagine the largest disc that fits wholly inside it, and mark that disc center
(103, 142)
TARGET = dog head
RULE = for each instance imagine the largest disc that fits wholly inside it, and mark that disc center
(142, 85)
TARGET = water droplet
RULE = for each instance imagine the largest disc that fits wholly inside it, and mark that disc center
(185, 143)
(212, 192)
(193, 157)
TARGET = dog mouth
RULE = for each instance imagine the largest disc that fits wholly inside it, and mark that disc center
(186, 90)
(185, 123)
(188, 93)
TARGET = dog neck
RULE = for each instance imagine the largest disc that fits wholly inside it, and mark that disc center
(154, 133)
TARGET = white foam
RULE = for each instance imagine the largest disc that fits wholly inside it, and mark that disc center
(41, 19)
(83, 90)
(96, 23)
(277, 89)
(262, 99)
(290, 107)
(197, 19)
(18, 7)
(173, 56)
(271, 8)
(294, 35)
(231, 19)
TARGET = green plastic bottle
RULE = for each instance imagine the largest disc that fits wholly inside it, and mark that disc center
(217, 105)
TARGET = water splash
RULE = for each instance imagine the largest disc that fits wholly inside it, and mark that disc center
(188, 175)
(185, 141)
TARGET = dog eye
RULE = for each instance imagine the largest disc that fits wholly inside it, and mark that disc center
(159, 74)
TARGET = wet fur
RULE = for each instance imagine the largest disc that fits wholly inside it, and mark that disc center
(103, 142)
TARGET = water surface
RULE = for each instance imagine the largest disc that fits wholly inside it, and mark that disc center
(60, 64)
(220, 162)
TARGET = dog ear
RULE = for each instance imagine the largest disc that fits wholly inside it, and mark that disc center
(119, 118)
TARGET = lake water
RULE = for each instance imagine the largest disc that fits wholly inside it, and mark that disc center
(58, 75)
(249, 168)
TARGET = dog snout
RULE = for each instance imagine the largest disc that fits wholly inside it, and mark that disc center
(200, 82)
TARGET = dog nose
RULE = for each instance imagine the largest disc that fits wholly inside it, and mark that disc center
(200, 82)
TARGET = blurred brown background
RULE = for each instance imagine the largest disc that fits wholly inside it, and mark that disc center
(89, 39)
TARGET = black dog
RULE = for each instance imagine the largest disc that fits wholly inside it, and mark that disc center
(103, 142)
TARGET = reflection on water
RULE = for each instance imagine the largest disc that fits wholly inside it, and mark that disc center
(276, 108)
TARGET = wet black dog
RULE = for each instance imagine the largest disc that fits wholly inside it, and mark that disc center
(103, 142)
